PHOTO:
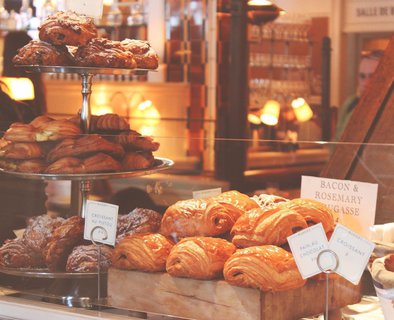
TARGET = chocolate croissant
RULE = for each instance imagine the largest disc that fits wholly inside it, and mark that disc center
(144, 252)
(197, 217)
(235, 201)
(313, 211)
(264, 226)
(199, 257)
(268, 268)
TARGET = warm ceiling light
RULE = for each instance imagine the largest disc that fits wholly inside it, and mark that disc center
(302, 110)
(254, 117)
(148, 112)
(270, 114)
(19, 88)
(108, 2)
(259, 3)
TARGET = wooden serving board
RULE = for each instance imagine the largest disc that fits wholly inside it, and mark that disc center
(198, 299)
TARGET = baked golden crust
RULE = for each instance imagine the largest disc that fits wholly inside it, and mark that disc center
(84, 258)
(313, 211)
(144, 252)
(20, 150)
(133, 141)
(144, 55)
(196, 217)
(42, 53)
(138, 221)
(68, 28)
(104, 53)
(15, 254)
(26, 166)
(236, 202)
(137, 160)
(84, 146)
(268, 201)
(268, 268)
(108, 123)
(64, 238)
(266, 226)
(199, 257)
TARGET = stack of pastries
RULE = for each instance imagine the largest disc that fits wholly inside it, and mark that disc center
(46, 145)
(230, 236)
(71, 39)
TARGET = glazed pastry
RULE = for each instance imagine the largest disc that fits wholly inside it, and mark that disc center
(132, 140)
(268, 268)
(67, 28)
(63, 239)
(144, 55)
(144, 252)
(196, 217)
(235, 201)
(84, 146)
(138, 221)
(137, 160)
(41, 121)
(43, 54)
(15, 254)
(108, 123)
(66, 165)
(21, 132)
(199, 258)
(269, 201)
(104, 53)
(266, 226)
(20, 150)
(85, 259)
(38, 232)
(313, 211)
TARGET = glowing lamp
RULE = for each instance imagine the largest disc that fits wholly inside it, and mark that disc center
(254, 118)
(270, 114)
(302, 110)
(147, 111)
(259, 3)
(19, 88)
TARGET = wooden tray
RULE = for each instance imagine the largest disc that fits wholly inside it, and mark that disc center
(196, 299)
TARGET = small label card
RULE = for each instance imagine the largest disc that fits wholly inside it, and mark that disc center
(353, 252)
(305, 246)
(92, 8)
(353, 202)
(207, 193)
(105, 217)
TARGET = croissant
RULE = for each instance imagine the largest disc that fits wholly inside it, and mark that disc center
(266, 226)
(21, 150)
(109, 122)
(132, 140)
(21, 132)
(199, 257)
(144, 55)
(137, 160)
(196, 217)
(313, 211)
(58, 130)
(268, 200)
(236, 202)
(15, 254)
(268, 268)
(144, 252)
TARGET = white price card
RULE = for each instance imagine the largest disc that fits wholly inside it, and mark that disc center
(305, 246)
(353, 202)
(207, 193)
(104, 216)
(353, 252)
(91, 8)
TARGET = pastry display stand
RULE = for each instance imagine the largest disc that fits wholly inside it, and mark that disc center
(79, 288)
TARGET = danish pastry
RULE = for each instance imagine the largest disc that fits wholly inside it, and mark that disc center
(268, 268)
(43, 54)
(85, 258)
(199, 257)
(144, 252)
(269, 201)
(144, 55)
(235, 201)
(105, 53)
(67, 28)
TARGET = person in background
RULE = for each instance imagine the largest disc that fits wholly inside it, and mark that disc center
(369, 62)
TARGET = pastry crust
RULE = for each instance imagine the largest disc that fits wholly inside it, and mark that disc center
(144, 55)
(15, 254)
(42, 53)
(196, 217)
(199, 258)
(84, 146)
(104, 53)
(313, 211)
(137, 160)
(108, 123)
(266, 226)
(68, 28)
(236, 202)
(133, 141)
(268, 268)
(20, 150)
(85, 259)
(64, 238)
(268, 201)
(144, 252)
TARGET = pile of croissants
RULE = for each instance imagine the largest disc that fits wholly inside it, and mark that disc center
(231, 235)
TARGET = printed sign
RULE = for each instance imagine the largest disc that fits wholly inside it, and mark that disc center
(207, 193)
(305, 246)
(92, 8)
(353, 253)
(104, 216)
(353, 202)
